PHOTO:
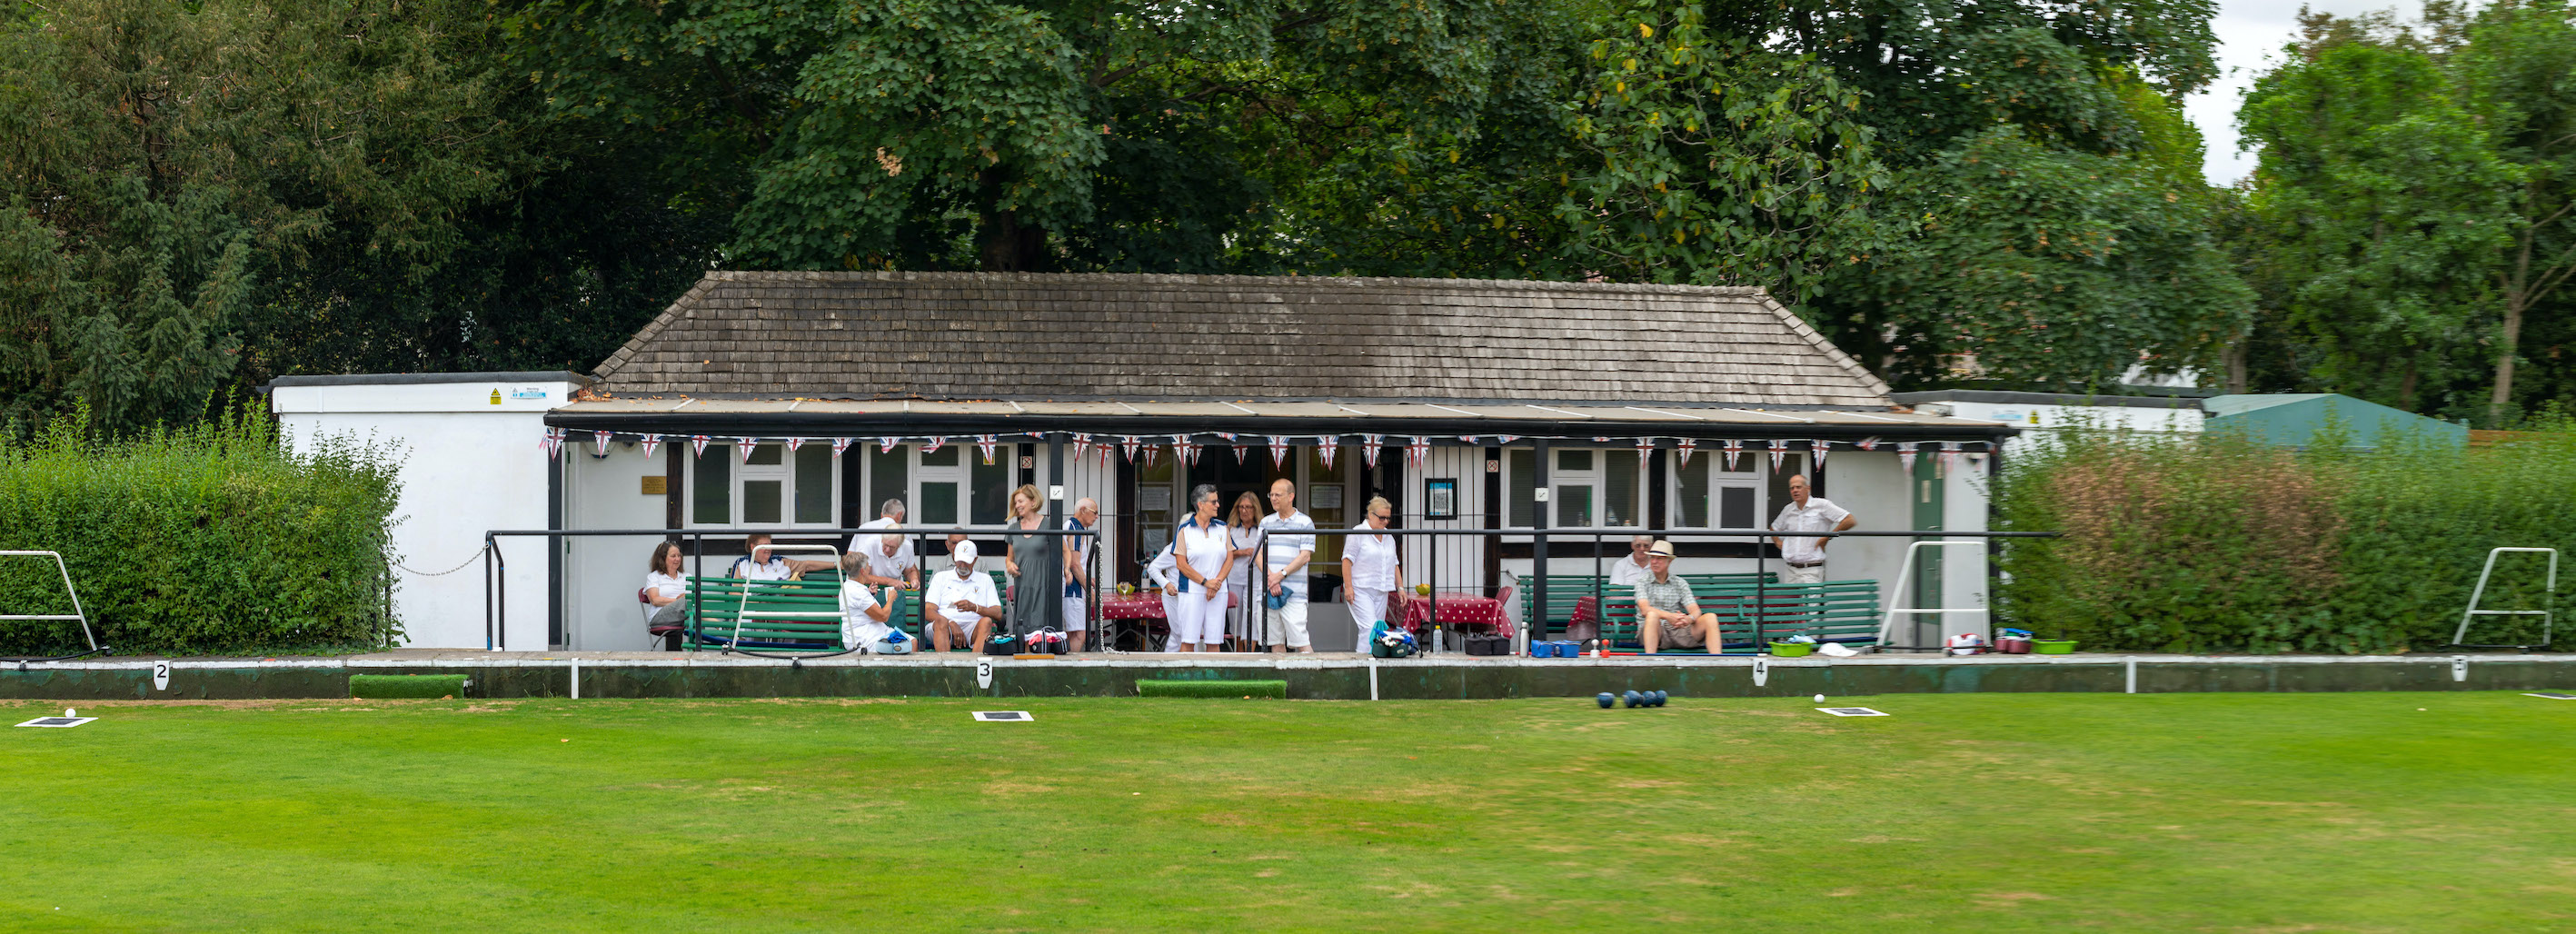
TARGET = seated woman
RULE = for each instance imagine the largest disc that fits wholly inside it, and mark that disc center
(865, 619)
(666, 608)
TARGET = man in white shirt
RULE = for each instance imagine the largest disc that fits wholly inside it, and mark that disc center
(1161, 572)
(967, 603)
(864, 617)
(1626, 572)
(1805, 555)
(761, 563)
(1284, 556)
(891, 560)
(1077, 572)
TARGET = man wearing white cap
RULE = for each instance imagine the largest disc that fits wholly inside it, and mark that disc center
(967, 603)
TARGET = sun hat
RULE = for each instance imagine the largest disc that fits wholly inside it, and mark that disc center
(1661, 549)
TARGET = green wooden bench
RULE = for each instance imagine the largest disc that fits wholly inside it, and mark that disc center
(768, 616)
(1564, 592)
(1749, 619)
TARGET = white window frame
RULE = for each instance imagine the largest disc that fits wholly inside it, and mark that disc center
(784, 472)
(1592, 479)
(962, 474)
(1719, 477)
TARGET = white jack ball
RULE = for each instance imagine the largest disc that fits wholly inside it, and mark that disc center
(1820, 698)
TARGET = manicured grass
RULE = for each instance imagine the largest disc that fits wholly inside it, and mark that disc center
(1961, 812)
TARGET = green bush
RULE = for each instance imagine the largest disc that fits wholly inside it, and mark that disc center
(2214, 543)
(204, 540)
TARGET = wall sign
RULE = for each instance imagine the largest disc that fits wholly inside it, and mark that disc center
(1440, 498)
(657, 486)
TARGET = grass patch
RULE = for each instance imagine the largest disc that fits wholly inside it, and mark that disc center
(406, 686)
(1174, 687)
(1981, 812)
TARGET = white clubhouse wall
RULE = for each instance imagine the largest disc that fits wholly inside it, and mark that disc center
(468, 465)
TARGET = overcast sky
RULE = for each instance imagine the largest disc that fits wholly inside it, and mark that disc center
(2250, 35)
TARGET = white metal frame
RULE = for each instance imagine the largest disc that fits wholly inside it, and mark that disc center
(1905, 575)
(2474, 595)
(78, 613)
(743, 605)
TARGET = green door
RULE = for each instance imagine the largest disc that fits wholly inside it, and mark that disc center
(1927, 496)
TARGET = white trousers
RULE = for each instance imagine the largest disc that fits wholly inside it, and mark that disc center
(1199, 620)
(1813, 575)
(1368, 608)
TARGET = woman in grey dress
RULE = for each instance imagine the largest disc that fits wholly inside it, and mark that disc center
(1036, 563)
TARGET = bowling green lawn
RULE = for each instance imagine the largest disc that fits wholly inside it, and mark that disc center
(2186, 812)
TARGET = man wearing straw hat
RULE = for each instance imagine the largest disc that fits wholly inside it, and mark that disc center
(1667, 611)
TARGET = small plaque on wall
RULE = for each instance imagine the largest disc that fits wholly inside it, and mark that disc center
(657, 486)
(1440, 498)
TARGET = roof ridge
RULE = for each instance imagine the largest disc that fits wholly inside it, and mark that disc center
(863, 275)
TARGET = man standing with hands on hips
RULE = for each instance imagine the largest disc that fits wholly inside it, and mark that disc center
(1805, 555)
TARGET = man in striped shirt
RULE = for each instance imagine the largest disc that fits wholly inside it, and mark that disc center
(1284, 555)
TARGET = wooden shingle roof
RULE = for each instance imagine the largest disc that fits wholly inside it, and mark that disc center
(924, 335)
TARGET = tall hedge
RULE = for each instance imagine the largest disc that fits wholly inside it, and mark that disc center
(205, 540)
(2215, 543)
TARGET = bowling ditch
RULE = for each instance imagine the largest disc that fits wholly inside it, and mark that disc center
(1448, 676)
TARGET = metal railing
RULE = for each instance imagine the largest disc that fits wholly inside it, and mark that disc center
(1763, 554)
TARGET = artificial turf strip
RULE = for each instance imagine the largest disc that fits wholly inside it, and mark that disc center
(387, 687)
(1971, 812)
(1170, 687)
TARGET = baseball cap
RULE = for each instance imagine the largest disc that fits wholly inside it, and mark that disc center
(965, 551)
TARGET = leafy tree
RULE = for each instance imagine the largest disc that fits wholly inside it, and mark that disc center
(981, 133)
(2414, 207)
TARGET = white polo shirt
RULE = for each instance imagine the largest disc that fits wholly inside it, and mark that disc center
(1626, 572)
(1820, 515)
(946, 587)
(775, 570)
(873, 548)
(1373, 559)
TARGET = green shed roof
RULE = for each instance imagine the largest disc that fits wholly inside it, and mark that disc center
(2294, 418)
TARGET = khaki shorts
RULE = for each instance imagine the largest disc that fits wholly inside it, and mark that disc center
(1685, 634)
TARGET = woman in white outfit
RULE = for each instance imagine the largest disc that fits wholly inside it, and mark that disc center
(1205, 553)
(1372, 569)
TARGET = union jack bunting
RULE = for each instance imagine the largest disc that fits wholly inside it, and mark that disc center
(1278, 451)
(1734, 449)
(1153, 452)
(1779, 452)
(1470, 439)
(1236, 443)
(934, 444)
(551, 443)
(599, 442)
(649, 443)
(984, 445)
(1866, 444)
(794, 443)
(1949, 456)
(1368, 449)
(839, 445)
(697, 445)
(1507, 439)
(886, 445)
(1419, 452)
(1186, 449)
(1821, 448)
(1905, 455)
(1081, 446)
(1645, 448)
(1325, 446)
(1600, 439)
(1683, 448)
(742, 448)
(1128, 444)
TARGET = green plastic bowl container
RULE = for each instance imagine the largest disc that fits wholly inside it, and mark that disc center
(1791, 649)
(2053, 646)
